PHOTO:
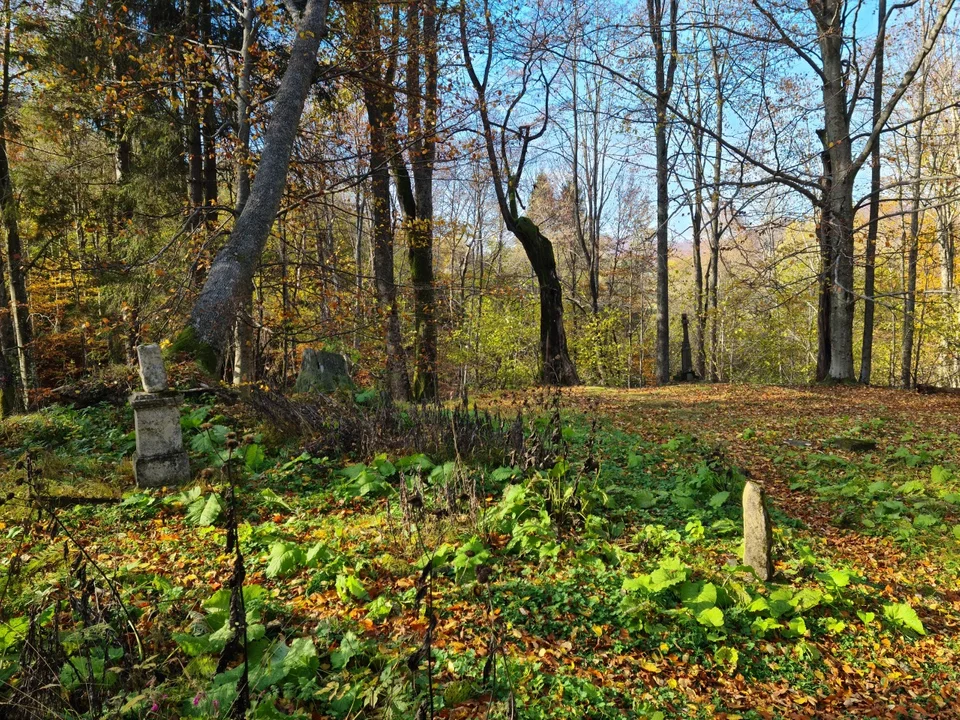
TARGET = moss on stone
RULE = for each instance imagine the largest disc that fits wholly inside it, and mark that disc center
(202, 353)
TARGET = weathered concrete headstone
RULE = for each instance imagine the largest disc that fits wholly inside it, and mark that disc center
(160, 458)
(757, 531)
(322, 371)
(153, 374)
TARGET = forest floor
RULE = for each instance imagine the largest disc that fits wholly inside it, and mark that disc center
(597, 575)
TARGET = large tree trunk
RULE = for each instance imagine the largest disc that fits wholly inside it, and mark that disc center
(9, 379)
(557, 369)
(16, 262)
(870, 258)
(192, 119)
(416, 199)
(666, 63)
(913, 250)
(231, 274)
(397, 382)
(838, 196)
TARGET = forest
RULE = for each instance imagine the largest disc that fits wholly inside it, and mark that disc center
(503, 359)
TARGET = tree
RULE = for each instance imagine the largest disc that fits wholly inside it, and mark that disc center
(557, 367)
(213, 317)
(377, 78)
(662, 20)
(16, 261)
(415, 185)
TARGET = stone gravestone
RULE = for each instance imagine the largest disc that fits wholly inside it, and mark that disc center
(160, 458)
(322, 371)
(687, 373)
(757, 531)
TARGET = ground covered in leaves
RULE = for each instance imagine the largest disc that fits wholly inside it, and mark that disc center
(590, 571)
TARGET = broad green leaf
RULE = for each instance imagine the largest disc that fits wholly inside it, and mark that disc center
(349, 648)
(285, 558)
(719, 499)
(349, 585)
(711, 617)
(254, 458)
(271, 498)
(834, 578)
(302, 657)
(204, 512)
(904, 616)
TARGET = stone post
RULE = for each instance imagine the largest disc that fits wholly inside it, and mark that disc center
(686, 353)
(160, 458)
(757, 531)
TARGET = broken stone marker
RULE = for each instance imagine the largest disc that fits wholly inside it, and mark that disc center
(160, 458)
(153, 374)
(757, 532)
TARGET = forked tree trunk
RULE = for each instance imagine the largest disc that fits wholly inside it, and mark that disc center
(231, 274)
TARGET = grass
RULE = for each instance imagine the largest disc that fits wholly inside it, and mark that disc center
(606, 584)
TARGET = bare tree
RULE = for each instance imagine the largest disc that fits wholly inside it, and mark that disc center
(557, 368)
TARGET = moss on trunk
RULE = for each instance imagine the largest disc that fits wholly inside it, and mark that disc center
(202, 353)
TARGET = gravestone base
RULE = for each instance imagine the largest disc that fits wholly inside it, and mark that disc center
(161, 470)
(161, 459)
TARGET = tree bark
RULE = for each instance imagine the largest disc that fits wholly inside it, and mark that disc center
(16, 262)
(209, 117)
(398, 383)
(666, 63)
(416, 198)
(243, 355)
(870, 253)
(907, 378)
(213, 317)
(558, 368)
(9, 378)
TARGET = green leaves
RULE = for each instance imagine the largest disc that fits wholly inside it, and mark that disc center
(904, 617)
(711, 617)
(834, 578)
(204, 511)
(349, 648)
(285, 558)
(672, 571)
(348, 586)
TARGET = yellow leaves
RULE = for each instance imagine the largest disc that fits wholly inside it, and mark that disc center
(650, 666)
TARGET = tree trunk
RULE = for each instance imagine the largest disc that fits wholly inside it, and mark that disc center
(666, 63)
(9, 378)
(209, 117)
(557, 369)
(397, 382)
(214, 314)
(416, 199)
(16, 262)
(192, 117)
(838, 196)
(907, 378)
(870, 258)
(243, 355)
